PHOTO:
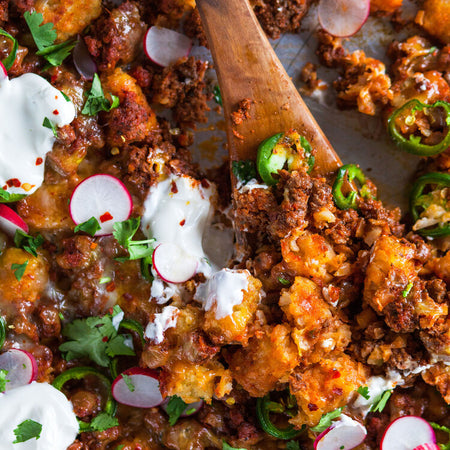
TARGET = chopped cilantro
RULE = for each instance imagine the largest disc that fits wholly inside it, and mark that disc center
(325, 420)
(120, 447)
(407, 290)
(217, 95)
(7, 197)
(29, 243)
(284, 281)
(364, 391)
(381, 403)
(61, 316)
(96, 100)
(48, 124)
(244, 170)
(128, 382)
(19, 269)
(104, 280)
(124, 232)
(3, 380)
(44, 36)
(9, 60)
(226, 446)
(292, 445)
(103, 422)
(95, 338)
(27, 430)
(445, 430)
(66, 97)
(175, 408)
(91, 226)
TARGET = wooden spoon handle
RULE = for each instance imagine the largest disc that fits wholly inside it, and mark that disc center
(248, 68)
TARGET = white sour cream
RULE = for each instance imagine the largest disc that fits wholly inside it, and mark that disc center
(177, 210)
(44, 404)
(162, 321)
(250, 185)
(25, 102)
(223, 291)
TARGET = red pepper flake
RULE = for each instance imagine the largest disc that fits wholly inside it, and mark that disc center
(55, 112)
(39, 161)
(13, 182)
(182, 222)
(174, 188)
(53, 79)
(205, 183)
(312, 407)
(110, 287)
(105, 339)
(5, 187)
(335, 374)
(105, 217)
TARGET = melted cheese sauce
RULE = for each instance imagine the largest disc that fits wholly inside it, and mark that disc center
(44, 404)
(25, 102)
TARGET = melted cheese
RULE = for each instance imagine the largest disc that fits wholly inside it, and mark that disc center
(44, 404)
(25, 102)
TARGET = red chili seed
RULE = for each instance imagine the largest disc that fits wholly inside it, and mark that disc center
(55, 112)
(39, 161)
(182, 222)
(105, 217)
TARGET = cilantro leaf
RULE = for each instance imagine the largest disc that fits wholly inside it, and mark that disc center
(381, 403)
(407, 289)
(9, 60)
(244, 171)
(7, 197)
(3, 379)
(96, 338)
(128, 382)
(217, 95)
(44, 36)
(27, 430)
(103, 422)
(48, 124)
(325, 420)
(104, 280)
(124, 232)
(29, 243)
(19, 269)
(284, 281)
(91, 226)
(364, 392)
(292, 445)
(174, 409)
(226, 446)
(445, 430)
(96, 100)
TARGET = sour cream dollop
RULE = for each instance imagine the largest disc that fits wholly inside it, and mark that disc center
(162, 321)
(44, 404)
(25, 103)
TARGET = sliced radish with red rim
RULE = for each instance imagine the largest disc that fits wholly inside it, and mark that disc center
(21, 366)
(3, 72)
(191, 408)
(344, 434)
(173, 264)
(164, 46)
(104, 197)
(343, 18)
(10, 221)
(430, 446)
(139, 388)
(406, 433)
(82, 60)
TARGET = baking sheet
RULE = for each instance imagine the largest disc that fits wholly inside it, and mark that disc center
(356, 137)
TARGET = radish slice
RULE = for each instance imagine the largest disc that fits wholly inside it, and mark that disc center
(164, 46)
(83, 61)
(104, 197)
(142, 390)
(21, 366)
(406, 433)
(3, 72)
(173, 264)
(430, 446)
(191, 408)
(343, 18)
(344, 434)
(10, 221)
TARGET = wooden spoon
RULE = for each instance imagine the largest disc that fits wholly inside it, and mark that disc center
(248, 68)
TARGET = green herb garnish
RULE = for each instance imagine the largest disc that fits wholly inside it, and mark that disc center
(29, 243)
(7, 197)
(226, 446)
(174, 409)
(325, 420)
(407, 289)
(103, 422)
(124, 232)
(48, 124)
(127, 379)
(244, 171)
(217, 95)
(364, 392)
(9, 60)
(3, 379)
(445, 430)
(27, 430)
(381, 403)
(96, 100)
(19, 269)
(91, 226)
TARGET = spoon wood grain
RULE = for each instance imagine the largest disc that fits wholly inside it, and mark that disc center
(248, 68)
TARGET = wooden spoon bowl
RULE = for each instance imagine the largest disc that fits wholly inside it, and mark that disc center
(248, 68)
